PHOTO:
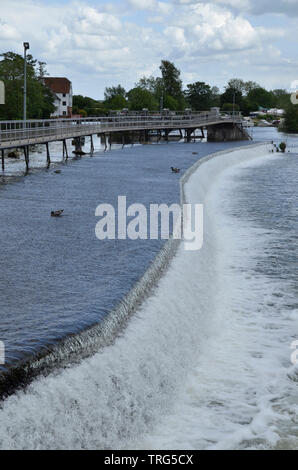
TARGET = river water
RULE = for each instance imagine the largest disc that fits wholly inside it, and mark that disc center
(205, 360)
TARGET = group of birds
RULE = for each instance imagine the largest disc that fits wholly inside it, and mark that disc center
(60, 211)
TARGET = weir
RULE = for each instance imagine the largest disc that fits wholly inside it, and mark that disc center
(146, 365)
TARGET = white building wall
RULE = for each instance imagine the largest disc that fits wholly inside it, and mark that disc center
(63, 103)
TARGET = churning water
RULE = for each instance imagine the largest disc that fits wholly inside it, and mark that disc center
(205, 361)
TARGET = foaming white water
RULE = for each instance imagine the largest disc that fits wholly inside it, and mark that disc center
(241, 391)
(199, 365)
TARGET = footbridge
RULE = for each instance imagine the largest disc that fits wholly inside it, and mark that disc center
(23, 134)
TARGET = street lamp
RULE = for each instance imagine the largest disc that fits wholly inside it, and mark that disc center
(26, 47)
(161, 102)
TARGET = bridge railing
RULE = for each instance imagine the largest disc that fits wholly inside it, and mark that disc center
(55, 129)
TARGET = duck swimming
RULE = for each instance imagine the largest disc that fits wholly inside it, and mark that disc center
(57, 213)
(175, 170)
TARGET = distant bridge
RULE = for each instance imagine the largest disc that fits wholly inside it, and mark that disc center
(23, 134)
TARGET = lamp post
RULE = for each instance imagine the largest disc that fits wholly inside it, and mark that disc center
(161, 102)
(26, 47)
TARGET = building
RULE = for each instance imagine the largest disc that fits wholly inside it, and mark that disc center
(62, 89)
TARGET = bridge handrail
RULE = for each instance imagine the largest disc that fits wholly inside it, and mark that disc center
(26, 130)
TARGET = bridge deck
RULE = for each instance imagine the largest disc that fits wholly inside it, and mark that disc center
(22, 133)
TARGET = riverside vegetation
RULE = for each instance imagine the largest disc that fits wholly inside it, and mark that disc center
(152, 93)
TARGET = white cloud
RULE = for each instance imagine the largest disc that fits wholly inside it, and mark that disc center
(258, 7)
(101, 46)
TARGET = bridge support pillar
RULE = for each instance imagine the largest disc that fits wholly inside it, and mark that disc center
(188, 133)
(226, 132)
(2, 156)
(26, 153)
(77, 142)
(91, 145)
(65, 151)
(105, 140)
(48, 154)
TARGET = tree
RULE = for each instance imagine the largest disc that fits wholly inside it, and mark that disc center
(231, 95)
(139, 98)
(262, 97)
(242, 86)
(171, 103)
(230, 107)
(249, 86)
(171, 79)
(115, 97)
(236, 84)
(40, 100)
(282, 98)
(199, 96)
(111, 92)
(291, 118)
(150, 84)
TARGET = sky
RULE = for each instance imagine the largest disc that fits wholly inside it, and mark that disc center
(104, 43)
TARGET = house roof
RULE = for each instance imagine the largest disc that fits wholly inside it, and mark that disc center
(58, 84)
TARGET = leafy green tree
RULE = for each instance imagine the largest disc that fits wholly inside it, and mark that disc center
(115, 97)
(231, 95)
(262, 97)
(199, 96)
(139, 98)
(230, 107)
(171, 103)
(40, 100)
(291, 118)
(282, 98)
(111, 92)
(83, 102)
(249, 86)
(151, 84)
(172, 82)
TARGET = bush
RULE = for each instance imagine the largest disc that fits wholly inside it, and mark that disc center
(283, 147)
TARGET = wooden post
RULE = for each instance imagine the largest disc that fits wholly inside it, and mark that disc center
(2, 155)
(91, 145)
(26, 153)
(78, 146)
(110, 139)
(48, 154)
(65, 151)
(123, 139)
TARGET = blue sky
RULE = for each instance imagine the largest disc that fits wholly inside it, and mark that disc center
(101, 43)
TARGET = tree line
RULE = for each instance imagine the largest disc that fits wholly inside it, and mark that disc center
(152, 93)
(167, 91)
